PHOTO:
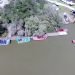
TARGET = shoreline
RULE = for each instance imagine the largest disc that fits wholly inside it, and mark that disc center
(47, 35)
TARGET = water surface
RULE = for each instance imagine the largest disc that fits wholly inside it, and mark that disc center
(54, 56)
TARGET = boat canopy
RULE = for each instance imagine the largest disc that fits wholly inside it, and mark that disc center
(23, 39)
(4, 41)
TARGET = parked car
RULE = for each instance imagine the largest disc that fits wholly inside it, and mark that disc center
(69, 2)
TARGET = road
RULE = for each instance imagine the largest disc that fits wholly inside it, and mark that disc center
(61, 4)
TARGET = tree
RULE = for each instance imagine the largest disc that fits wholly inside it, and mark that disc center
(32, 24)
(2, 30)
(18, 9)
(30, 17)
(52, 15)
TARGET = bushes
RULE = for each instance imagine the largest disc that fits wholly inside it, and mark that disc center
(31, 17)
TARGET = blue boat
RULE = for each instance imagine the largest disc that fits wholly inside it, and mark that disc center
(4, 42)
(23, 40)
(27, 39)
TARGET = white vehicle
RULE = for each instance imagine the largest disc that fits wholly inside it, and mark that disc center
(69, 2)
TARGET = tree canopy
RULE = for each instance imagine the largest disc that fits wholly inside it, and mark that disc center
(31, 17)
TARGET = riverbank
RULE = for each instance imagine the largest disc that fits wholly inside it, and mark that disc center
(6, 41)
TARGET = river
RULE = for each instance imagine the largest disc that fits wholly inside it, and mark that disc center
(54, 56)
(73, 0)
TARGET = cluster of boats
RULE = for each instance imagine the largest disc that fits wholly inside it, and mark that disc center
(7, 41)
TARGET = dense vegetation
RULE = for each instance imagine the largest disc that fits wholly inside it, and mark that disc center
(29, 17)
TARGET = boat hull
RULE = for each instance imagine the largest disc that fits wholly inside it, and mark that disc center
(23, 40)
(4, 42)
(40, 39)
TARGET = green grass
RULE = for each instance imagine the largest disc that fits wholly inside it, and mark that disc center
(62, 9)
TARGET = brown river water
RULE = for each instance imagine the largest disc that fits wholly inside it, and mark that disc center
(54, 56)
(73, 0)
